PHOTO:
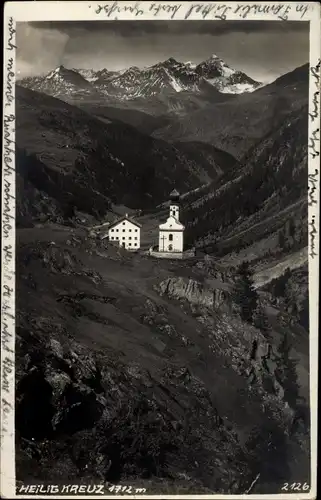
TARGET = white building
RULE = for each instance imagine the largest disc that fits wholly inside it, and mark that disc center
(126, 232)
(171, 233)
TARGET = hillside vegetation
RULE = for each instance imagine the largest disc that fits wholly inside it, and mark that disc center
(79, 161)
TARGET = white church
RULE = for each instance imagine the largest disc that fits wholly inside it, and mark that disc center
(126, 232)
(171, 233)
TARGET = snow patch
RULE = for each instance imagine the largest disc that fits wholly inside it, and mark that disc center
(174, 83)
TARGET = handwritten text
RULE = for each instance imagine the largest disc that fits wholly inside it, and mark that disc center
(312, 187)
(312, 234)
(215, 10)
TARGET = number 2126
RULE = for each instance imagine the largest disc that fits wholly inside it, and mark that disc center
(295, 487)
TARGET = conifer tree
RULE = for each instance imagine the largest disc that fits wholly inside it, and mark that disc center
(281, 239)
(280, 283)
(245, 295)
(287, 372)
(260, 319)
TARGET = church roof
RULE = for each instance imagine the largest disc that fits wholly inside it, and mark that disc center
(172, 224)
(174, 195)
(125, 217)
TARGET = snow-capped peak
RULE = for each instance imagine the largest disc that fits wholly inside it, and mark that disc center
(55, 72)
(171, 60)
(134, 82)
(215, 57)
(190, 64)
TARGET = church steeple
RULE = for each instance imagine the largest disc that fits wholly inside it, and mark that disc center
(174, 204)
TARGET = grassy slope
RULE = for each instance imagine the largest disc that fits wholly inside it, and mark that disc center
(110, 345)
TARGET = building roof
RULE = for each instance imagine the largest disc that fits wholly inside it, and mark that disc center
(125, 217)
(172, 224)
(174, 196)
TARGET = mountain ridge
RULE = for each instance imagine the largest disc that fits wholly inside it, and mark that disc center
(237, 124)
(166, 76)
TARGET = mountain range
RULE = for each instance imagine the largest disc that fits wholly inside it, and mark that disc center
(169, 76)
(74, 156)
(237, 124)
(103, 150)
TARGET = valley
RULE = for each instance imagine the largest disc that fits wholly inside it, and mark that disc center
(137, 370)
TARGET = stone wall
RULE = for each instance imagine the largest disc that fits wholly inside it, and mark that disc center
(172, 255)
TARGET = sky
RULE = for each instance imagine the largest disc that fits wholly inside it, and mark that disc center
(263, 50)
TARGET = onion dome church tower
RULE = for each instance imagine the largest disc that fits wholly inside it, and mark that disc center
(171, 233)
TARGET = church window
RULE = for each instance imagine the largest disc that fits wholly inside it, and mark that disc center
(124, 230)
(170, 237)
(130, 230)
(170, 247)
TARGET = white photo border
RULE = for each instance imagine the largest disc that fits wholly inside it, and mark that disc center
(124, 10)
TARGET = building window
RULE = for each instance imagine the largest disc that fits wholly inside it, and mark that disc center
(135, 237)
(129, 237)
(123, 237)
(136, 230)
(170, 237)
(170, 247)
(130, 244)
(124, 230)
(135, 244)
(116, 238)
(117, 230)
(112, 230)
(123, 223)
(130, 230)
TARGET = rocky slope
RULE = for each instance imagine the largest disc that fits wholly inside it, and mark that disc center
(61, 81)
(83, 162)
(113, 378)
(224, 78)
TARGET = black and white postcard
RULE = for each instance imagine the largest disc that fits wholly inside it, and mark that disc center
(160, 250)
